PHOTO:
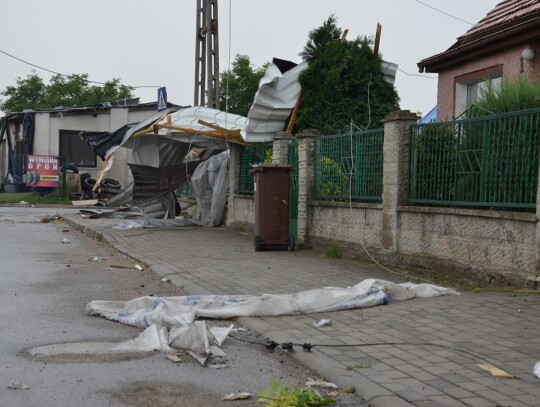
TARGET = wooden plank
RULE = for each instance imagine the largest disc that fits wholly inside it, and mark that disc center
(495, 371)
(377, 39)
(294, 113)
(344, 36)
(84, 202)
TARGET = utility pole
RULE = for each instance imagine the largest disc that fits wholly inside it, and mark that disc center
(207, 55)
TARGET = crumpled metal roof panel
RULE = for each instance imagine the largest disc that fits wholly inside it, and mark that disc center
(189, 117)
(274, 101)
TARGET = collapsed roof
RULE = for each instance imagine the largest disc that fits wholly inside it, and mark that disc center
(160, 143)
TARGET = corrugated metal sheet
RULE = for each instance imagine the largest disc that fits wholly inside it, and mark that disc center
(150, 182)
(271, 108)
(189, 117)
(389, 70)
(273, 103)
(157, 151)
(504, 12)
(159, 208)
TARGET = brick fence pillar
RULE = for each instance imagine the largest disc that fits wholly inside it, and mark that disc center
(395, 155)
(280, 147)
(306, 145)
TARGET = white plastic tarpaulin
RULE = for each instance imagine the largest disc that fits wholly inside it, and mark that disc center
(210, 184)
(182, 311)
(169, 322)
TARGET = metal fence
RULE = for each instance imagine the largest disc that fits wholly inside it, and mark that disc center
(185, 189)
(480, 162)
(254, 154)
(292, 159)
(349, 166)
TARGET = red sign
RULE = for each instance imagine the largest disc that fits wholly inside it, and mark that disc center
(42, 171)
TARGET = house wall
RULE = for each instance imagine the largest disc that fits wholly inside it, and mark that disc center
(49, 125)
(497, 246)
(509, 59)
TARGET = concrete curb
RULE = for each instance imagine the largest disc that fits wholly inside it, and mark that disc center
(371, 392)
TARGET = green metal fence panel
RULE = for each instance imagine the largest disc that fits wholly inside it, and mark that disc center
(254, 154)
(185, 190)
(349, 166)
(481, 162)
(292, 155)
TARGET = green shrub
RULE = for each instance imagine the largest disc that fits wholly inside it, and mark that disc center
(515, 94)
(333, 251)
(279, 395)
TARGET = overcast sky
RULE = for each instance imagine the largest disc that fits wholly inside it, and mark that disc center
(147, 42)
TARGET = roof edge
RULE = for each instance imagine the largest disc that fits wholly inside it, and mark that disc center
(503, 37)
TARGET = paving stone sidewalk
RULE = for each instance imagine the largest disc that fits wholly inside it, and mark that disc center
(422, 352)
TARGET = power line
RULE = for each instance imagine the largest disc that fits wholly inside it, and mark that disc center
(443, 12)
(61, 74)
(417, 74)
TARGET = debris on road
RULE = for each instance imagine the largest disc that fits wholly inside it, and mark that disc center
(128, 224)
(165, 280)
(143, 311)
(118, 266)
(320, 383)
(237, 396)
(66, 241)
(175, 358)
(17, 386)
(96, 258)
(495, 371)
(322, 322)
(159, 314)
(536, 369)
(53, 219)
(139, 267)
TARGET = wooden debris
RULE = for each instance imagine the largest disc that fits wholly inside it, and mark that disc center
(495, 371)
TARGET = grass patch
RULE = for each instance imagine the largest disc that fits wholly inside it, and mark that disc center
(33, 199)
(333, 251)
(280, 395)
(359, 366)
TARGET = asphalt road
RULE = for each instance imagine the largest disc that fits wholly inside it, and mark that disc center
(45, 287)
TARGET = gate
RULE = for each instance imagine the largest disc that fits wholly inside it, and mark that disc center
(293, 202)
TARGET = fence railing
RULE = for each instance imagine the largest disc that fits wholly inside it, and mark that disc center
(185, 189)
(254, 154)
(349, 166)
(482, 162)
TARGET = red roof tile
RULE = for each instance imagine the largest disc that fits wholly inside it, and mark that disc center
(504, 12)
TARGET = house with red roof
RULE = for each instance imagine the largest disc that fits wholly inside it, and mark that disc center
(504, 44)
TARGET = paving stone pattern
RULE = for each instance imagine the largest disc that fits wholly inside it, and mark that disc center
(422, 352)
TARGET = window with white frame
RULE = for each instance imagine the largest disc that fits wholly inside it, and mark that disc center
(469, 88)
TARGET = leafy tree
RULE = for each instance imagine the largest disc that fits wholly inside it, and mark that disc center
(70, 90)
(343, 82)
(243, 82)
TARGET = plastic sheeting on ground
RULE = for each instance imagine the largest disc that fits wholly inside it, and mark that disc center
(156, 314)
(182, 310)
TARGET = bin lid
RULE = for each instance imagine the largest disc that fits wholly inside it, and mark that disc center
(271, 167)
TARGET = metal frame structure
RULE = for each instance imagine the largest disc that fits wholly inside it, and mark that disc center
(207, 55)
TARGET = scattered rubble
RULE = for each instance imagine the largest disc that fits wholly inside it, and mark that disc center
(17, 386)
